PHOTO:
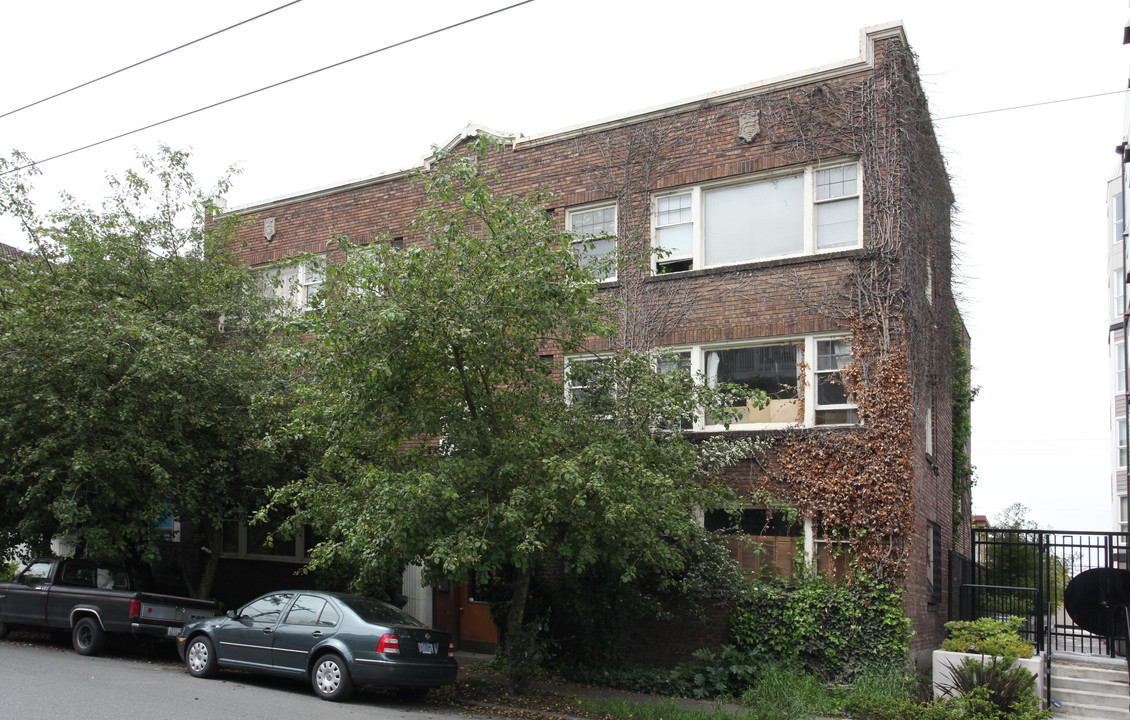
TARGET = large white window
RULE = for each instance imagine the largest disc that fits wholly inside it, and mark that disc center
(815, 210)
(800, 376)
(297, 283)
(594, 232)
(772, 369)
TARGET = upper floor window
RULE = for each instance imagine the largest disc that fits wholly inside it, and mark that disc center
(800, 377)
(1119, 220)
(586, 380)
(1120, 367)
(834, 406)
(1120, 428)
(594, 233)
(772, 369)
(1118, 293)
(812, 211)
(297, 283)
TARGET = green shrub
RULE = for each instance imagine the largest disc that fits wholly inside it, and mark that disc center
(995, 687)
(8, 570)
(727, 672)
(784, 693)
(988, 636)
(839, 632)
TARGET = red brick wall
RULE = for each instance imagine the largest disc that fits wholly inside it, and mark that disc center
(731, 303)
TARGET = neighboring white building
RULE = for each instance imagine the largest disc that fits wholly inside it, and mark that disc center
(1116, 342)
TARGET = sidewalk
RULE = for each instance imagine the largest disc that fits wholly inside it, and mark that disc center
(470, 668)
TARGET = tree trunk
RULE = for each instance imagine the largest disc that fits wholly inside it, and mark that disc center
(203, 589)
(519, 647)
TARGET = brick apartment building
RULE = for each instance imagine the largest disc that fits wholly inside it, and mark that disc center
(805, 223)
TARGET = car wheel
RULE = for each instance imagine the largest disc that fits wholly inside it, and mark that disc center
(5, 628)
(88, 637)
(200, 657)
(331, 679)
(412, 693)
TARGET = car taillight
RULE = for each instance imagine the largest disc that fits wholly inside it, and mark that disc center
(389, 644)
(134, 608)
(451, 648)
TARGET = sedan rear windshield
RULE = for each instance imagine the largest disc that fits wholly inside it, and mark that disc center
(377, 612)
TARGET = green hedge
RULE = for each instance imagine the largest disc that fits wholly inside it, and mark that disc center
(836, 631)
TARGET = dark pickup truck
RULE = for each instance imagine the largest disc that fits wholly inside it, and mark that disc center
(90, 600)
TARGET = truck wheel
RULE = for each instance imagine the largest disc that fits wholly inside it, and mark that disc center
(88, 637)
(4, 629)
(200, 657)
(331, 679)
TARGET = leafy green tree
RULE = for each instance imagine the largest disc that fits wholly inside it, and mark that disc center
(446, 439)
(1021, 559)
(132, 347)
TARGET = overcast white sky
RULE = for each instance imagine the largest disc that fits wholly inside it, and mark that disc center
(1030, 183)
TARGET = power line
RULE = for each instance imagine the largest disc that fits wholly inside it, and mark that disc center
(268, 87)
(142, 62)
(1031, 105)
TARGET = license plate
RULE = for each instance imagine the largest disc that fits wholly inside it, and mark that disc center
(173, 631)
(427, 648)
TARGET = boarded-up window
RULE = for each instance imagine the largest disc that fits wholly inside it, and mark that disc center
(765, 543)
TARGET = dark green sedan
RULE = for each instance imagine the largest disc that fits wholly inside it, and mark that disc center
(333, 639)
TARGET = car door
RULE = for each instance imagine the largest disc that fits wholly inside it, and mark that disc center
(246, 638)
(309, 621)
(26, 600)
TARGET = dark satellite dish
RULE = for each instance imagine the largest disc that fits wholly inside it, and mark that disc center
(1095, 600)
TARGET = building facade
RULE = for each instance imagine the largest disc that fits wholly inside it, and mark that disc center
(1116, 343)
(795, 238)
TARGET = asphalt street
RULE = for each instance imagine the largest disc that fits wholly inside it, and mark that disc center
(41, 678)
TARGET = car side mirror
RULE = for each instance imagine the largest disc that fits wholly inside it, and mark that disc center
(232, 614)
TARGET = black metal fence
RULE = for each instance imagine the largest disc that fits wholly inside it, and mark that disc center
(1023, 573)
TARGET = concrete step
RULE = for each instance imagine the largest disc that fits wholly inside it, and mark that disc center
(1091, 712)
(1090, 672)
(1090, 688)
(1083, 697)
(1087, 685)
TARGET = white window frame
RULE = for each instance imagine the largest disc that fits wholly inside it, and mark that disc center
(1118, 222)
(929, 402)
(807, 366)
(697, 368)
(1120, 367)
(299, 540)
(809, 210)
(1118, 294)
(1120, 442)
(298, 291)
(580, 238)
(569, 361)
(816, 372)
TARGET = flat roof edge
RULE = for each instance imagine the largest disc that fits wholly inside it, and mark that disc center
(866, 60)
